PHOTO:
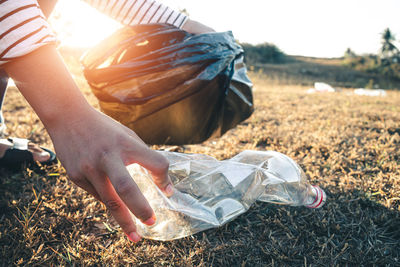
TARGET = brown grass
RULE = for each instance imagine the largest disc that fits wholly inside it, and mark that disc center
(347, 144)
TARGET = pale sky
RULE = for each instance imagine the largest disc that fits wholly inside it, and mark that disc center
(320, 28)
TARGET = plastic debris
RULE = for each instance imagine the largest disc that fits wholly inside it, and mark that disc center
(370, 92)
(320, 87)
(209, 193)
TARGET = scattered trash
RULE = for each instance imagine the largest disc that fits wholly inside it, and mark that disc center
(209, 193)
(320, 87)
(370, 92)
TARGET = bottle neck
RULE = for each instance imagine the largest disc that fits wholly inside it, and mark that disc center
(316, 198)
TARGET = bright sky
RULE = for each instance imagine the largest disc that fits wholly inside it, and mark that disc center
(320, 28)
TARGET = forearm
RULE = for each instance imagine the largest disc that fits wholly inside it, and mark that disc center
(45, 82)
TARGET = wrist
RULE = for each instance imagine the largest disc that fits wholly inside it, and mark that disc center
(195, 27)
(47, 85)
(66, 116)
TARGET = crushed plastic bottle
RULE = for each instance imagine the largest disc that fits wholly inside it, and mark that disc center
(209, 193)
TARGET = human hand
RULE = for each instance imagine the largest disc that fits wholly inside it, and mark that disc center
(95, 150)
(195, 27)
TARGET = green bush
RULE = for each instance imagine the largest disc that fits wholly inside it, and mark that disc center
(388, 67)
(387, 63)
(262, 53)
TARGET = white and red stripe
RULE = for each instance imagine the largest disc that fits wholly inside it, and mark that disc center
(320, 198)
(23, 27)
(133, 12)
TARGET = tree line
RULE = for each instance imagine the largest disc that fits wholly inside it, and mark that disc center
(386, 62)
(262, 54)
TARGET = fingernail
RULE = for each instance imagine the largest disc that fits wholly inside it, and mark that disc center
(169, 190)
(150, 221)
(134, 237)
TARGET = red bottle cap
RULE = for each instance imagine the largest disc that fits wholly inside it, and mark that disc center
(320, 198)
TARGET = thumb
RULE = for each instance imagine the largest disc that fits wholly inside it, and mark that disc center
(157, 165)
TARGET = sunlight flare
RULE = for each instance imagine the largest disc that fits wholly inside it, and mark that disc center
(79, 25)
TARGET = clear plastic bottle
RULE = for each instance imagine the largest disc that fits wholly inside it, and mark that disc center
(209, 193)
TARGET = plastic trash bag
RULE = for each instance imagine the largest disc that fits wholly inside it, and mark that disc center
(370, 92)
(320, 87)
(209, 193)
(170, 86)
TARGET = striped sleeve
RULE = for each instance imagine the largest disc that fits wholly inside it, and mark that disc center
(23, 28)
(133, 12)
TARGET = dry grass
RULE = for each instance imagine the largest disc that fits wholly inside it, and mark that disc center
(349, 145)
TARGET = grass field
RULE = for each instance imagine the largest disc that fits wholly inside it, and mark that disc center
(347, 144)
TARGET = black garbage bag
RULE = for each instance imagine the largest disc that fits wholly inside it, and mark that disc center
(170, 86)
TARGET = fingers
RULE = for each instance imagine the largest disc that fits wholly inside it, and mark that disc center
(149, 159)
(114, 205)
(117, 208)
(156, 164)
(127, 190)
(102, 189)
(87, 186)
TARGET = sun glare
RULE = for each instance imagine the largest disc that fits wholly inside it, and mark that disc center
(309, 28)
(79, 25)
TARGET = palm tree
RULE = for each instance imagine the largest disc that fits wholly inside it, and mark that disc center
(388, 49)
(349, 53)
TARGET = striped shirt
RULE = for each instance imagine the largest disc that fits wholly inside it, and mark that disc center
(24, 28)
